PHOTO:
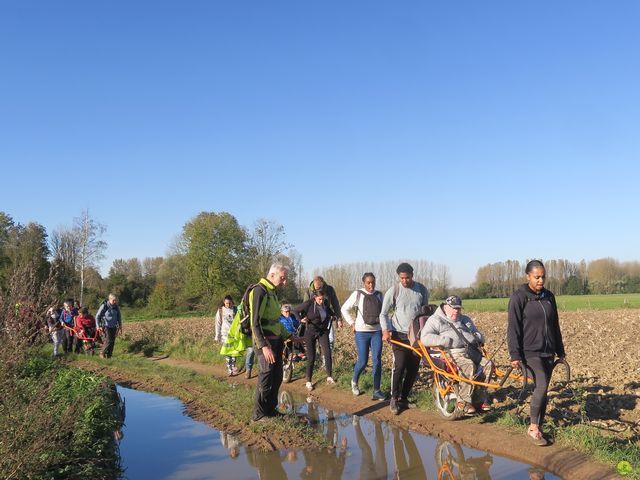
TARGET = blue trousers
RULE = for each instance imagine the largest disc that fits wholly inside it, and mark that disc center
(366, 341)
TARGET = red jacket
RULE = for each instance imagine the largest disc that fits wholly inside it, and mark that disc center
(85, 322)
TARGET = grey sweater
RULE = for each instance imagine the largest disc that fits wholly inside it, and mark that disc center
(439, 332)
(408, 303)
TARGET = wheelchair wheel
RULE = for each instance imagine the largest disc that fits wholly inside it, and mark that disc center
(447, 405)
(286, 402)
(287, 367)
(449, 457)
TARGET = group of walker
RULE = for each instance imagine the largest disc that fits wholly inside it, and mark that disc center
(73, 329)
(533, 337)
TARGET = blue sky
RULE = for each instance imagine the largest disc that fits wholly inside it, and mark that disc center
(459, 132)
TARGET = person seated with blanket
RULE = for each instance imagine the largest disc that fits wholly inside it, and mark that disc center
(85, 327)
(449, 329)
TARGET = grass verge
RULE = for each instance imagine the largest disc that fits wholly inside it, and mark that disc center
(57, 421)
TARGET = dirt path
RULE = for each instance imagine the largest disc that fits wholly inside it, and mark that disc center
(562, 462)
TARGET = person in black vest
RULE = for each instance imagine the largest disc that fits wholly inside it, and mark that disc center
(367, 302)
(534, 340)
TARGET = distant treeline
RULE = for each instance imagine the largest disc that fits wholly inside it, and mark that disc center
(602, 276)
(214, 256)
(497, 280)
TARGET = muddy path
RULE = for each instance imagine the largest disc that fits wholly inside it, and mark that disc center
(565, 463)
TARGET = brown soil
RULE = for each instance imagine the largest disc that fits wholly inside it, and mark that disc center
(601, 348)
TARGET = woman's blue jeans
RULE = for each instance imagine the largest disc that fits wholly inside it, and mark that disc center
(366, 341)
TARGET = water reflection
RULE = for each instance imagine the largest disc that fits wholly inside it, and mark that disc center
(357, 448)
(407, 457)
(371, 465)
(452, 463)
(231, 443)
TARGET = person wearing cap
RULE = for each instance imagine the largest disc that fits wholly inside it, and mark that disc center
(292, 325)
(401, 304)
(450, 329)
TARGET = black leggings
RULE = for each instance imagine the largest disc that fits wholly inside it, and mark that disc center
(311, 336)
(542, 368)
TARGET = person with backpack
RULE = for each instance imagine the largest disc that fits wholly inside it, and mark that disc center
(401, 304)
(317, 319)
(67, 320)
(268, 336)
(224, 317)
(367, 302)
(534, 340)
(449, 329)
(109, 321)
(331, 302)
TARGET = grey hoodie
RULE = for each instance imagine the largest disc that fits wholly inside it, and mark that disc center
(438, 331)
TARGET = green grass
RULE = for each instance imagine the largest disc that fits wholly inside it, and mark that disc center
(607, 449)
(568, 303)
(130, 314)
(57, 421)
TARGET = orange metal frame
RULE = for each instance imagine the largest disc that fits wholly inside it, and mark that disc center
(452, 374)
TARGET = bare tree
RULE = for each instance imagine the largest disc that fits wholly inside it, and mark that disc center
(268, 241)
(91, 247)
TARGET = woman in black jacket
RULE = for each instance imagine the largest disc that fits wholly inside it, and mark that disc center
(317, 318)
(534, 339)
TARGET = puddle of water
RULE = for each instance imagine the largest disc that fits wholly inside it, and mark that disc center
(161, 442)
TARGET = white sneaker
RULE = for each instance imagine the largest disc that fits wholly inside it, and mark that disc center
(309, 386)
(331, 381)
(354, 389)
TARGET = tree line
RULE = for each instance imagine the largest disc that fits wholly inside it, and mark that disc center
(214, 256)
(601, 276)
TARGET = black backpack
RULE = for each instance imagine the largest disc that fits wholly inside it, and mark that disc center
(243, 311)
(371, 307)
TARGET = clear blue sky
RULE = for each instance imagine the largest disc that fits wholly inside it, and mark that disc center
(459, 132)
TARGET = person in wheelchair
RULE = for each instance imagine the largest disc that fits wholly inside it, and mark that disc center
(86, 330)
(293, 326)
(449, 329)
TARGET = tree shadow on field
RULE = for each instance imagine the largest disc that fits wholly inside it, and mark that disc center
(144, 346)
(597, 399)
(587, 401)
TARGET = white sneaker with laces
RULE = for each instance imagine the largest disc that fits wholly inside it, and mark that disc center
(354, 389)
(331, 381)
(309, 386)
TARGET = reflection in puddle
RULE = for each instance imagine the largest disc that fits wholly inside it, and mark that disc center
(163, 443)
